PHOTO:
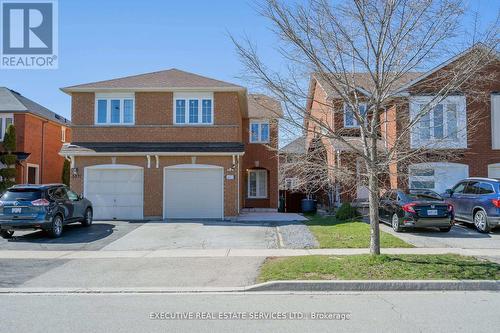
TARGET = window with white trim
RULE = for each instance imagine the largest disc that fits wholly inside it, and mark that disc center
(193, 109)
(442, 124)
(350, 120)
(63, 134)
(259, 131)
(257, 184)
(6, 119)
(115, 110)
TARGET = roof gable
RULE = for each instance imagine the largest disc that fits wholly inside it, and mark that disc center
(161, 80)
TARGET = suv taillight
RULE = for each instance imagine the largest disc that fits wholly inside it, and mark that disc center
(496, 202)
(409, 208)
(450, 208)
(40, 202)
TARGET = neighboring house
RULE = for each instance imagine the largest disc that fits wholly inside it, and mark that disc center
(291, 191)
(40, 134)
(172, 144)
(476, 153)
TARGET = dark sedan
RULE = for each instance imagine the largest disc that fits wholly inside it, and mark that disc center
(47, 207)
(415, 208)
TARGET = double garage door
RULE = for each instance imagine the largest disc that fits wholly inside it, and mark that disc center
(189, 191)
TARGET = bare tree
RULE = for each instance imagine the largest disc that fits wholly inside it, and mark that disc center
(365, 53)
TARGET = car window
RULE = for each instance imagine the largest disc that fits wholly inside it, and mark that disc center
(58, 193)
(485, 188)
(72, 195)
(21, 195)
(425, 196)
(459, 188)
(472, 187)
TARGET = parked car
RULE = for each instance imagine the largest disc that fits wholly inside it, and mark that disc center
(415, 208)
(476, 200)
(47, 207)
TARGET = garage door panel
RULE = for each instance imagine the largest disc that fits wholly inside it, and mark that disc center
(115, 193)
(193, 193)
(494, 170)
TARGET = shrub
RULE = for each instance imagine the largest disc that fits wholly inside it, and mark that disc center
(346, 212)
(65, 172)
(8, 173)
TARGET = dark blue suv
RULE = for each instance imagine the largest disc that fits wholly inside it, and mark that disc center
(47, 207)
(476, 200)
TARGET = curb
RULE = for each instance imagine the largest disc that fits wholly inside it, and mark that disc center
(284, 287)
(378, 285)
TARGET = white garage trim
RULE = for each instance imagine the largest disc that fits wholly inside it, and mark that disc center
(110, 167)
(494, 170)
(187, 167)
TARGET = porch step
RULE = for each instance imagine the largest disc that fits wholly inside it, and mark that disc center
(259, 210)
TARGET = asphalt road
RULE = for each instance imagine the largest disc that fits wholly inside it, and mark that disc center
(366, 312)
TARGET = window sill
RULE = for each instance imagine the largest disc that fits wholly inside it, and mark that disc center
(114, 125)
(194, 125)
(259, 142)
(257, 198)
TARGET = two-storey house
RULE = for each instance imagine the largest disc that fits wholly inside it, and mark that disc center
(172, 144)
(40, 134)
(474, 151)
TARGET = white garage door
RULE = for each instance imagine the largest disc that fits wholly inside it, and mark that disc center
(494, 170)
(116, 191)
(437, 176)
(193, 191)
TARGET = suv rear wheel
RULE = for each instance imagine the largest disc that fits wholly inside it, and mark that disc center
(7, 234)
(481, 221)
(55, 230)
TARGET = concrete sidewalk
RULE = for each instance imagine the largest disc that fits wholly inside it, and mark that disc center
(230, 252)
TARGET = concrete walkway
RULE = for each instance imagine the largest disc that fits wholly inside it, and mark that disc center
(229, 252)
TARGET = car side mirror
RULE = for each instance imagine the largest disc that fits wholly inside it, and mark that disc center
(449, 192)
(80, 196)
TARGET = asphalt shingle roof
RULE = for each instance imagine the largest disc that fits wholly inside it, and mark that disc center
(12, 101)
(170, 78)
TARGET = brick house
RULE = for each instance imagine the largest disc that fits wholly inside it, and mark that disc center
(477, 153)
(172, 144)
(40, 134)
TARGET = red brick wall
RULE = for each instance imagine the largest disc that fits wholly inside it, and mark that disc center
(267, 158)
(29, 140)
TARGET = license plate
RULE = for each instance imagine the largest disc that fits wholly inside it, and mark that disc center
(16, 210)
(432, 212)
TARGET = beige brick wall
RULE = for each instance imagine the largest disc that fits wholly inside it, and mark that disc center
(153, 178)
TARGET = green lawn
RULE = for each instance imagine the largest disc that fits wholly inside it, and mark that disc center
(347, 234)
(383, 267)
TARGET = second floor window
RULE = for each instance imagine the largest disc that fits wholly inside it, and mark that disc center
(5, 121)
(115, 111)
(349, 118)
(442, 124)
(259, 131)
(194, 109)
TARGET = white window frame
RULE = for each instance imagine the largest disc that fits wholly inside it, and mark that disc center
(37, 174)
(108, 97)
(63, 134)
(460, 142)
(259, 122)
(187, 96)
(4, 117)
(355, 121)
(258, 191)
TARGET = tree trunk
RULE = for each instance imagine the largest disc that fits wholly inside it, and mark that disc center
(373, 212)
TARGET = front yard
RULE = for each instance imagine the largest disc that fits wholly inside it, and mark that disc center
(383, 267)
(331, 233)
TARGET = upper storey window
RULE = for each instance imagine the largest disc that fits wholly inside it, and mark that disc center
(259, 131)
(193, 109)
(6, 119)
(350, 120)
(115, 109)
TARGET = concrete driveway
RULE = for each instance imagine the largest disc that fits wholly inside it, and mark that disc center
(460, 236)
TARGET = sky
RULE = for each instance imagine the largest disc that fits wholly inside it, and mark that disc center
(100, 40)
